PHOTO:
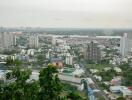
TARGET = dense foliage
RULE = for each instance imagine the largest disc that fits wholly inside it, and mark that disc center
(127, 74)
(48, 87)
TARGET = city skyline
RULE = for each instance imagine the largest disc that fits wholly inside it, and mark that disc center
(66, 13)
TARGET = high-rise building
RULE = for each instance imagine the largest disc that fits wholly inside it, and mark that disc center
(53, 40)
(69, 59)
(33, 41)
(6, 40)
(124, 45)
(130, 43)
(92, 52)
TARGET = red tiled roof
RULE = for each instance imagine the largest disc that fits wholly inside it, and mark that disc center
(130, 88)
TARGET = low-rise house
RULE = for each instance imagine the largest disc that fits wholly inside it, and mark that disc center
(106, 92)
(107, 68)
(117, 69)
(106, 83)
(22, 57)
(23, 51)
(76, 66)
(113, 96)
(31, 52)
(94, 71)
(130, 88)
(125, 60)
(3, 57)
(78, 72)
(116, 81)
(121, 89)
(34, 76)
(58, 62)
(98, 77)
(117, 89)
(126, 92)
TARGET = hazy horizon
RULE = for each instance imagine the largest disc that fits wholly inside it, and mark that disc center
(66, 13)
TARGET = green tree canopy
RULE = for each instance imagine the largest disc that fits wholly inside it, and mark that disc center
(49, 83)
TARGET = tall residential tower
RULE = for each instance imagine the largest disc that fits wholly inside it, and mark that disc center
(33, 41)
(124, 45)
(6, 40)
(93, 52)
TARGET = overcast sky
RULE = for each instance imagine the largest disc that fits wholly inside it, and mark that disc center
(66, 13)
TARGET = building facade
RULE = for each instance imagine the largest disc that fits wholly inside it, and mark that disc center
(124, 45)
(7, 40)
(69, 59)
(130, 43)
(33, 41)
(92, 53)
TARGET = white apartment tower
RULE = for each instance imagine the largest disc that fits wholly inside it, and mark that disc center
(69, 59)
(124, 45)
(6, 40)
(53, 40)
(33, 41)
(130, 43)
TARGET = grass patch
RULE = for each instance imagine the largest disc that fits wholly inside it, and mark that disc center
(98, 66)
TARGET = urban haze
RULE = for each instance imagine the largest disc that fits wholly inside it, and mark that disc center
(65, 50)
